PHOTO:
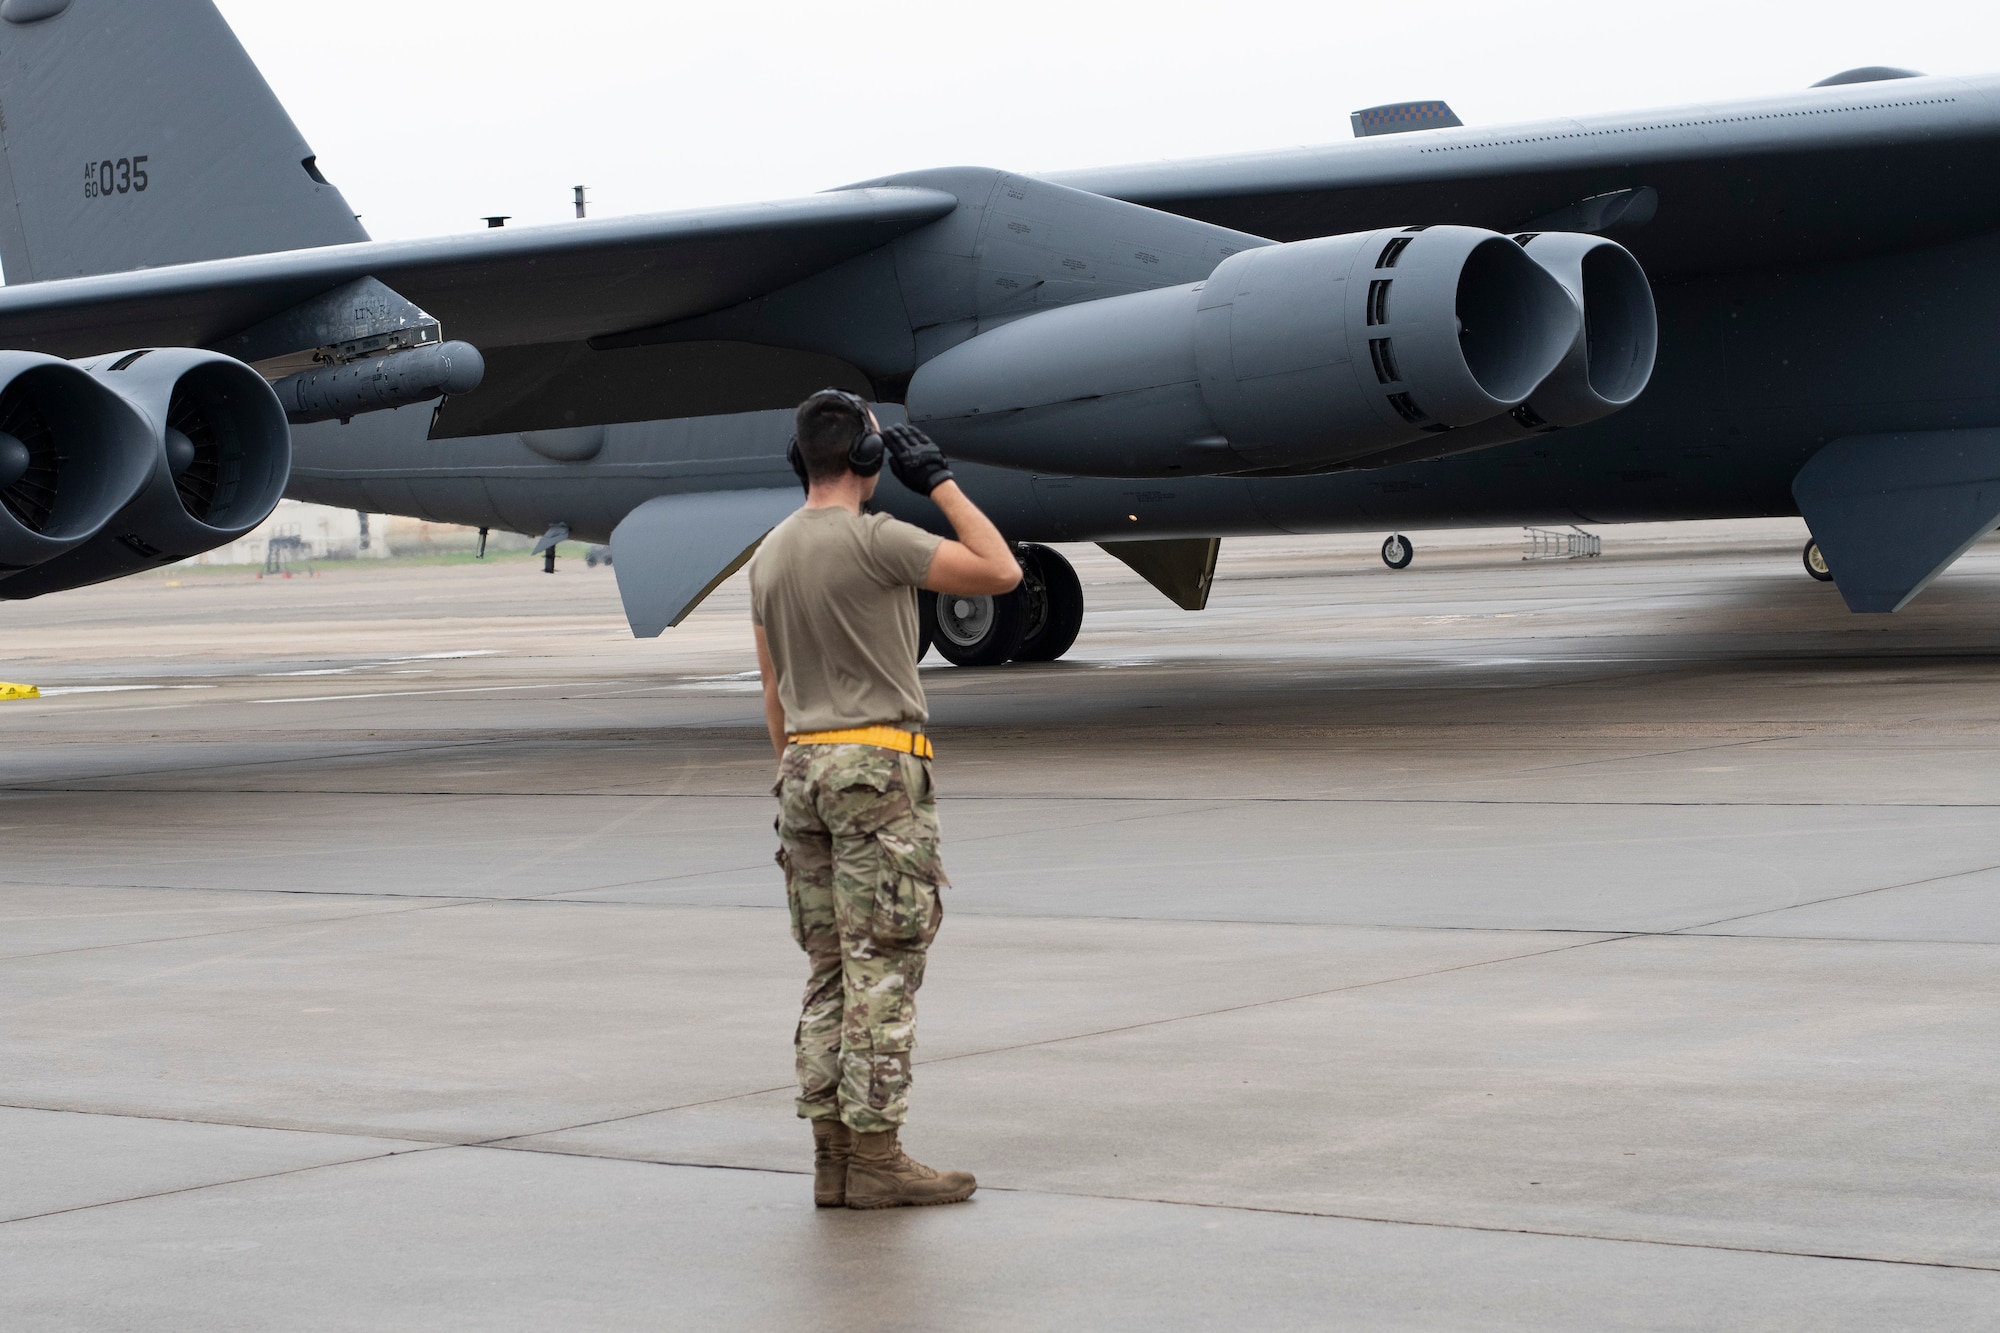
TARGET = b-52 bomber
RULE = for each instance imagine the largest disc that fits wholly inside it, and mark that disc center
(1780, 306)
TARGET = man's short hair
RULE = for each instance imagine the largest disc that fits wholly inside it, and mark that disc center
(827, 427)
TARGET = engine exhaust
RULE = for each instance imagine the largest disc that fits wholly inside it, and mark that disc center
(217, 455)
(1607, 365)
(71, 455)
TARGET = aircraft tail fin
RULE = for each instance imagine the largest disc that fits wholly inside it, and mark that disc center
(136, 133)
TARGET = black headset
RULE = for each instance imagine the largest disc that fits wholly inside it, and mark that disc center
(864, 456)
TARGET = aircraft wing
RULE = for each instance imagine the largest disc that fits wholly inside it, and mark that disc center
(1825, 174)
(496, 288)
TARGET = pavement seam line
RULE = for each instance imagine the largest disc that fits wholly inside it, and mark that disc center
(199, 963)
(158, 1117)
(425, 747)
(498, 1145)
(1840, 897)
(219, 1184)
(568, 898)
(31, 789)
(1510, 1231)
(215, 934)
(1664, 754)
(1606, 938)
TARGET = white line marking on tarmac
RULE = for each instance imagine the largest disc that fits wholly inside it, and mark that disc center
(388, 662)
(116, 689)
(404, 694)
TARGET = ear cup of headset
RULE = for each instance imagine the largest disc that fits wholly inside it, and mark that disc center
(864, 459)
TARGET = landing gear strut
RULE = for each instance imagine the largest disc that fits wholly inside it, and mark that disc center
(1037, 622)
(1397, 553)
(1055, 605)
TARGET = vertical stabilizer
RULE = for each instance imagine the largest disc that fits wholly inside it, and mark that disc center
(135, 133)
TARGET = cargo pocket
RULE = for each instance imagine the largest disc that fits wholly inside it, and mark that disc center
(907, 907)
(889, 1077)
(792, 907)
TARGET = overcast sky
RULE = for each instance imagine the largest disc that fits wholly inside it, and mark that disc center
(431, 113)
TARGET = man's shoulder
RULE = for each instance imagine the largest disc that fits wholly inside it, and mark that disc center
(786, 525)
(881, 527)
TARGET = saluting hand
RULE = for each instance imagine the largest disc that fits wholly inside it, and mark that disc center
(915, 459)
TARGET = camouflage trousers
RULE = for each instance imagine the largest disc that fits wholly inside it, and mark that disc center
(858, 840)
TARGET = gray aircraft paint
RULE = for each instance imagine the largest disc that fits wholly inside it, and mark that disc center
(1738, 185)
(496, 289)
(1793, 312)
(1756, 371)
(140, 135)
(1941, 491)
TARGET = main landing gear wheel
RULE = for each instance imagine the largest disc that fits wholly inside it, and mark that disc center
(975, 631)
(1055, 605)
(1816, 563)
(1397, 553)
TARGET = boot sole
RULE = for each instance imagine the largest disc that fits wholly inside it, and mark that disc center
(912, 1203)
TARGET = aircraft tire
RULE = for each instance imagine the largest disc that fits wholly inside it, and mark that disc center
(975, 631)
(1397, 552)
(1816, 563)
(1055, 605)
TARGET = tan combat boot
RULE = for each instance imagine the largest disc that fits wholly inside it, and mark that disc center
(832, 1142)
(881, 1175)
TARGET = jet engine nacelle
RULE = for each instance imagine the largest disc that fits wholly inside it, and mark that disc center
(1611, 361)
(71, 455)
(1607, 366)
(217, 455)
(1288, 357)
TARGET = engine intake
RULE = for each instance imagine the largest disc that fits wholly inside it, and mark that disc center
(217, 456)
(1289, 356)
(71, 454)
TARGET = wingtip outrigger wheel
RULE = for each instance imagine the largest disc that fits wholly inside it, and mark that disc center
(1397, 552)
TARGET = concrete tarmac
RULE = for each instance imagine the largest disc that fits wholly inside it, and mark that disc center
(1492, 944)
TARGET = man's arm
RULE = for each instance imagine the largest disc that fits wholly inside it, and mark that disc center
(980, 561)
(774, 710)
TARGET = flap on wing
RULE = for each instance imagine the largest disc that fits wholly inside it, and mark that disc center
(1181, 567)
(497, 288)
(673, 550)
(1891, 512)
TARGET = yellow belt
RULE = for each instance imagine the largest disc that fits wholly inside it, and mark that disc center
(888, 738)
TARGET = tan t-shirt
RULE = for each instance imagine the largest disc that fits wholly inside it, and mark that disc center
(836, 594)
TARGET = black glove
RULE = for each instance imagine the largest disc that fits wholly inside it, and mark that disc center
(917, 462)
